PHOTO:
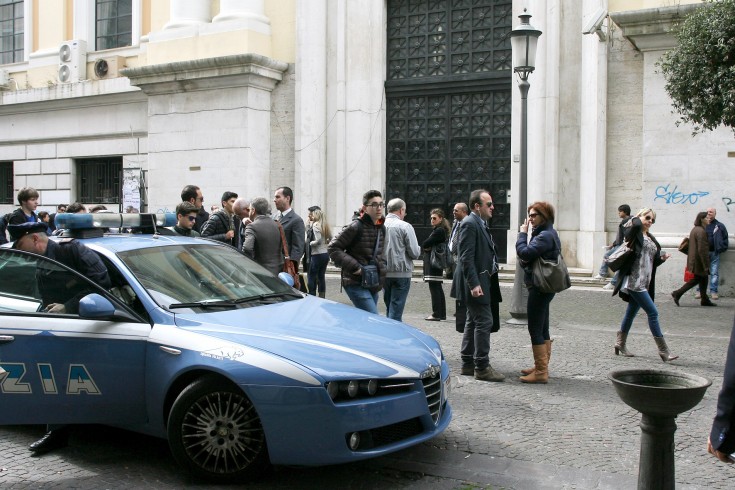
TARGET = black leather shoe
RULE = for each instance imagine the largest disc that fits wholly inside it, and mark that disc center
(468, 370)
(53, 439)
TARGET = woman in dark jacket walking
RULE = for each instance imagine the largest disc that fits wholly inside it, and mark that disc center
(544, 243)
(435, 275)
(697, 261)
(637, 283)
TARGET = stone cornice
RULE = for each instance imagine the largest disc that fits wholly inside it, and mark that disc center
(652, 29)
(240, 70)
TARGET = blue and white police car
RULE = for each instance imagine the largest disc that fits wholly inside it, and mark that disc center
(199, 345)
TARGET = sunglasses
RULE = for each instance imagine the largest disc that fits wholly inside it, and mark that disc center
(650, 218)
(532, 215)
(192, 218)
(489, 204)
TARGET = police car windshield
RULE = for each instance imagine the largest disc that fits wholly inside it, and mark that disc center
(200, 275)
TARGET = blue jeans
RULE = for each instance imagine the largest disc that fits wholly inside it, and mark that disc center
(637, 301)
(538, 315)
(317, 270)
(395, 292)
(714, 271)
(604, 267)
(476, 339)
(362, 298)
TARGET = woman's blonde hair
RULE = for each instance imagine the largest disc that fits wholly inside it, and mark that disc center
(645, 211)
(321, 218)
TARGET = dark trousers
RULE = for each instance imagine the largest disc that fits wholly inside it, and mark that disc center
(317, 273)
(476, 338)
(438, 300)
(461, 316)
(700, 281)
(538, 315)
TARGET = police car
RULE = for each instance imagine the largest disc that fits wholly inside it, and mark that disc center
(199, 345)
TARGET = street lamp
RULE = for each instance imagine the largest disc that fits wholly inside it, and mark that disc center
(523, 41)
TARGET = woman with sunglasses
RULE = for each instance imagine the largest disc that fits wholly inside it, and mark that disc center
(544, 243)
(435, 275)
(637, 285)
(697, 261)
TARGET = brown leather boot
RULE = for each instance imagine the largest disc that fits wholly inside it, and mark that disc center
(541, 371)
(548, 350)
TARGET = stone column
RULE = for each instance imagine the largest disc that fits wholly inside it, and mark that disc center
(251, 12)
(189, 13)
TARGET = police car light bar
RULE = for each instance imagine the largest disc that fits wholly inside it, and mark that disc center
(88, 221)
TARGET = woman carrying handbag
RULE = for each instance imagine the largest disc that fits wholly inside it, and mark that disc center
(432, 274)
(697, 261)
(544, 243)
(637, 285)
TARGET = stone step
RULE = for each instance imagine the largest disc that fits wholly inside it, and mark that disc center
(580, 277)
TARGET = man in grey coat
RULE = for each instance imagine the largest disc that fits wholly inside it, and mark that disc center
(401, 249)
(477, 263)
(262, 241)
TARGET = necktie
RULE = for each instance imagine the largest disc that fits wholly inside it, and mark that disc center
(454, 239)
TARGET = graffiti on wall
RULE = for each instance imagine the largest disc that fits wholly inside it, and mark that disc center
(727, 201)
(675, 196)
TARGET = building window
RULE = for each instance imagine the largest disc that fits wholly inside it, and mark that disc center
(99, 180)
(6, 177)
(114, 20)
(11, 31)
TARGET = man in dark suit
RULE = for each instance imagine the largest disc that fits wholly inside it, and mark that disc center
(476, 265)
(721, 441)
(262, 241)
(293, 226)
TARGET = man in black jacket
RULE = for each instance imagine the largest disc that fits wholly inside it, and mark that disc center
(60, 291)
(193, 194)
(356, 246)
(223, 224)
(624, 214)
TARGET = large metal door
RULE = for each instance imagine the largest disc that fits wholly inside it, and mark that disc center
(448, 93)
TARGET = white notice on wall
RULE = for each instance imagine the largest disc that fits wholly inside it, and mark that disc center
(131, 190)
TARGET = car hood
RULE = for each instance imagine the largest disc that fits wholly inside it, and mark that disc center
(331, 339)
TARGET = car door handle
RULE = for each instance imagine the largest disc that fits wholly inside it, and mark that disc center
(169, 350)
(4, 339)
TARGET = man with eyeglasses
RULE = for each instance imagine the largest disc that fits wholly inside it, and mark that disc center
(360, 244)
(474, 286)
(186, 217)
(193, 194)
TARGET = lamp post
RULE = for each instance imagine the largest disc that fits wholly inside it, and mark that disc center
(523, 41)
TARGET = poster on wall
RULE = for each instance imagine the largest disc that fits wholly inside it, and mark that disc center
(131, 190)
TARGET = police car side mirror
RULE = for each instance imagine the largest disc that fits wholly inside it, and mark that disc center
(95, 306)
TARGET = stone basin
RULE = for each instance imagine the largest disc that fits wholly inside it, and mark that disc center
(659, 393)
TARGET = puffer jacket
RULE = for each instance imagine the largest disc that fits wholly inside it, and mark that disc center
(544, 243)
(354, 246)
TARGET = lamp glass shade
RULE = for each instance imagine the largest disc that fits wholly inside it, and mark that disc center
(524, 50)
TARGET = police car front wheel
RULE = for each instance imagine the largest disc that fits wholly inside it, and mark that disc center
(215, 432)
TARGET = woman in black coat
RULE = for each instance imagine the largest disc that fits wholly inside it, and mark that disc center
(697, 261)
(435, 275)
(637, 285)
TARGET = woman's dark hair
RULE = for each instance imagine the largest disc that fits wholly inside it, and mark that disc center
(700, 216)
(443, 223)
(545, 209)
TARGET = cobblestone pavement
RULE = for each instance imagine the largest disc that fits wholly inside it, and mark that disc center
(572, 433)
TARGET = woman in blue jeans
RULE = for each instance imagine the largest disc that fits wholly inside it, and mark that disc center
(318, 235)
(638, 282)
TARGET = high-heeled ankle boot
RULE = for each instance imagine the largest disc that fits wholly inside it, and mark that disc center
(622, 338)
(663, 350)
(548, 352)
(705, 301)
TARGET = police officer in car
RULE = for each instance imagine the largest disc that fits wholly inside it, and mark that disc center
(60, 290)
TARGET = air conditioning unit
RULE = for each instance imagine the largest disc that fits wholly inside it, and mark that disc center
(72, 61)
(108, 67)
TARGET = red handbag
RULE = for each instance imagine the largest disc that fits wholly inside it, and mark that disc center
(688, 276)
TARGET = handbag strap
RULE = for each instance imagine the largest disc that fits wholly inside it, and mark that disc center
(283, 241)
(375, 250)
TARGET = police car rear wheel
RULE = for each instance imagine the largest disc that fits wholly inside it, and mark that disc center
(215, 432)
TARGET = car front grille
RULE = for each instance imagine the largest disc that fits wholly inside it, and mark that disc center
(433, 390)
